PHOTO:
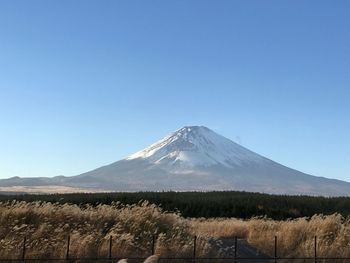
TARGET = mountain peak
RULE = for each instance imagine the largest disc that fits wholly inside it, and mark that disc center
(193, 146)
(187, 131)
(195, 127)
(193, 158)
(191, 129)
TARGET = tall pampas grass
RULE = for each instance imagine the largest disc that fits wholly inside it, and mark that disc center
(295, 238)
(132, 227)
(47, 227)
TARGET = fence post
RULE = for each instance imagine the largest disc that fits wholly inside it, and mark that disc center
(194, 248)
(235, 255)
(315, 252)
(24, 249)
(110, 248)
(275, 249)
(68, 243)
(153, 244)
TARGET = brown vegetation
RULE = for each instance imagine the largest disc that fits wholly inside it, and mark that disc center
(295, 237)
(132, 227)
(47, 227)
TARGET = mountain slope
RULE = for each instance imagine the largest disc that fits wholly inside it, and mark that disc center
(195, 158)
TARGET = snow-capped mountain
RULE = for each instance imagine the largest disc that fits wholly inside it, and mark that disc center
(192, 158)
(196, 146)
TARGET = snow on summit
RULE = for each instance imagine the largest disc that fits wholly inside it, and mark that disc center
(196, 146)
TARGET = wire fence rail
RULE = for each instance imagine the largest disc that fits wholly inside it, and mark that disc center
(185, 259)
(238, 255)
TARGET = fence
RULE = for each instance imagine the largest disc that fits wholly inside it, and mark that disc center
(239, 255)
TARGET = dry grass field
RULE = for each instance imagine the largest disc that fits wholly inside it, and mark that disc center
(295, 237)
(132, 227)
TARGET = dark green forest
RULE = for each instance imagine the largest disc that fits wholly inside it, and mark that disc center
(210, 204)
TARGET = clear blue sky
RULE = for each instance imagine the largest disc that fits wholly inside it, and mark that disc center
(85, 83)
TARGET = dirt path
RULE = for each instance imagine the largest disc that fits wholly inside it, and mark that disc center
(245, 252)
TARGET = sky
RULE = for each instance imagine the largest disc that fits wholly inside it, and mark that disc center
(86, 83)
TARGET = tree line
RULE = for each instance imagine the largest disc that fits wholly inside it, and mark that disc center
(209, 204)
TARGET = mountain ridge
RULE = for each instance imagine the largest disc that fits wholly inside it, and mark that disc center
(194, 158)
